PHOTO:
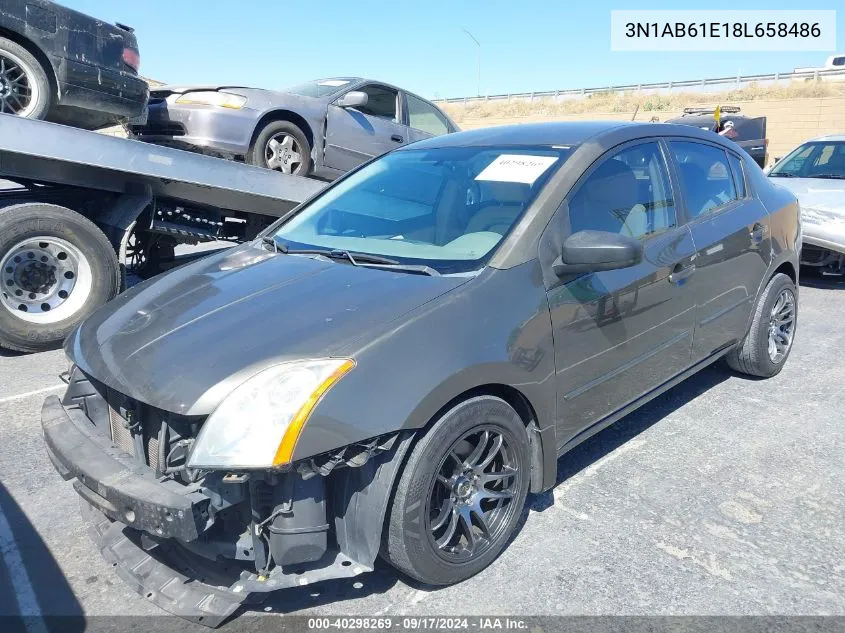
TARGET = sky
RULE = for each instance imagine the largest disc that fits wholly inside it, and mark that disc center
(526, 45)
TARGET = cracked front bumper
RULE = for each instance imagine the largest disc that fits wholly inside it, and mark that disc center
(115, 484)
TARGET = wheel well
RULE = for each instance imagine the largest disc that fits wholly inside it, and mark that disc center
(283, 115)
(787, 269)
(520, 404)
(39, 54)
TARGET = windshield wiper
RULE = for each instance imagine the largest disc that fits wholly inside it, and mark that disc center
(419, 269)
(356, 259)
(783, 175)
(835, 176)
(269, 240)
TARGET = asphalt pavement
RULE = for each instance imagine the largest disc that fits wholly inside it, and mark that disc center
(724, 496)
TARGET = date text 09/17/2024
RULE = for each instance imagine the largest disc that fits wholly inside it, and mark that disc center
(421, 623)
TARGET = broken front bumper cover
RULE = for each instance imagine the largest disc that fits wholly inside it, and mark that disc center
(112, 482)
(148, 554)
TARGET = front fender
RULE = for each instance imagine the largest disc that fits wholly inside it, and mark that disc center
(492, 334)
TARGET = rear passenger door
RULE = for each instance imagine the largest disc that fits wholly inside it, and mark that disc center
(732, 237)
(355, 135)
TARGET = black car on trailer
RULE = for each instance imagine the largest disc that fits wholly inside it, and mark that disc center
(64, 66)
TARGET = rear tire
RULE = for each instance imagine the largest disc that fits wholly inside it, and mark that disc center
(282, 146)
(56, 268)
(25, 88)
(768, 343)
(446, 483)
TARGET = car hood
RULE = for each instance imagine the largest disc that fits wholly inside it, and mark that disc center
(822, 200)
(183, 341)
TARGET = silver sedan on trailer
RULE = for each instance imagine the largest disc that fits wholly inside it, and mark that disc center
(321, 128)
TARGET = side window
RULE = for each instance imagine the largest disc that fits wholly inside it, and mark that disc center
(739, 175)
(424, 116)
(629, 193)
(706, 180)
(381, 102)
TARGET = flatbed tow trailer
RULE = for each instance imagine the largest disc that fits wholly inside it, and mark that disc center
(83, 208)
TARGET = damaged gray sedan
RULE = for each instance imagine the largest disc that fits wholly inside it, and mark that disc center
(393, 366)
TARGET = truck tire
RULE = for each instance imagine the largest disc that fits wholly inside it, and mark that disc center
(766, 347)
(56, 268)
(282, 146)
(25, 88)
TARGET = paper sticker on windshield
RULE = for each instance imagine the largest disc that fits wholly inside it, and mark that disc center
(333, 82)
(516, 168)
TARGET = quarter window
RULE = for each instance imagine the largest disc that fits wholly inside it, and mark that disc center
(706, 179)
(424, 116)
(629, 193)
(739, 175)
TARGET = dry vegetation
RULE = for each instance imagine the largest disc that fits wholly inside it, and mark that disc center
(609, 102)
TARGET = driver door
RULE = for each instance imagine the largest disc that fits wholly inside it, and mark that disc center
(618, 334)
(355, 135)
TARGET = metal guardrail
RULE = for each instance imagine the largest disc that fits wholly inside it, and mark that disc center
(815, 75)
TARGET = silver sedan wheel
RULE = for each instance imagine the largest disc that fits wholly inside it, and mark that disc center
(44, 280)
(283, 153)
(782, 325)
(18, 91)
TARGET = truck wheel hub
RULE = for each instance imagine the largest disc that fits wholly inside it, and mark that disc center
(44, 279)
(37, 277)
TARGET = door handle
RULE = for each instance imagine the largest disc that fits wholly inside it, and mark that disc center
(758, 232)
(680, 273)
(397, 138)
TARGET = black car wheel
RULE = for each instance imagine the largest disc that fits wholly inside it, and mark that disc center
(24, 85)
(282, 146)
(461, 493)
(56, 268)
(769, 340)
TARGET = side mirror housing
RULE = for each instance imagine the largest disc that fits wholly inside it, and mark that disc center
(352, 99)
(593, 251)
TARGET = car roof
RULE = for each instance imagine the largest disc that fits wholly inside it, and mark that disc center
(566, 133)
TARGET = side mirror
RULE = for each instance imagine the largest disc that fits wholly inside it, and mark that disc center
(592, 251)
(352, 99)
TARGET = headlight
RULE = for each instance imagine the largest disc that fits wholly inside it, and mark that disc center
(212, 98)
(259, 423)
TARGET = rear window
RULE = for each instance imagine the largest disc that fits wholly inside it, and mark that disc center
(424, 116)
(706, 179)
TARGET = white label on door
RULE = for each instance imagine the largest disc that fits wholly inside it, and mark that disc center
(516, 168)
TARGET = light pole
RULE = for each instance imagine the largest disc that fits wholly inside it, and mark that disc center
(478, 44)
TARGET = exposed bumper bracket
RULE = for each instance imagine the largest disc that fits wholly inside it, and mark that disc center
(156, 579)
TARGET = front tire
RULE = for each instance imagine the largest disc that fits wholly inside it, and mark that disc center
(282, 146)
(768, 343)
(461, 493)
(56, 268)
(25, 89)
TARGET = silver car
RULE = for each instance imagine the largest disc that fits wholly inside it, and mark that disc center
(321, 128)
(815, 172)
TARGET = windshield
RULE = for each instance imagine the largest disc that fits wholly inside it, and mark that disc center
(319, 88)
(819, 159)
(446, 208)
